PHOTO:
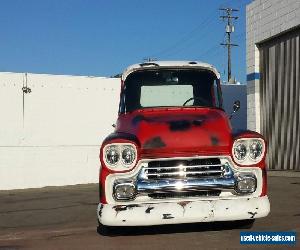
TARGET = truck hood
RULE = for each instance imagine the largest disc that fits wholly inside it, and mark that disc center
(178, 131)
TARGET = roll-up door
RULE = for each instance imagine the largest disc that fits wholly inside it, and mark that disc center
(279, 97)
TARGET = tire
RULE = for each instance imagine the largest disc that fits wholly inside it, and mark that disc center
(246, 224)
(104, 230)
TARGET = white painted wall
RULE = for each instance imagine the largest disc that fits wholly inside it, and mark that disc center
(65, 120)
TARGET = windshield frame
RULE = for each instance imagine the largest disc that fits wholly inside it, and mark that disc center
(216, 94)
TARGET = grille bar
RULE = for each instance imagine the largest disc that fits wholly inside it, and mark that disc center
(181, 166)
(184, 169)
(208, 172)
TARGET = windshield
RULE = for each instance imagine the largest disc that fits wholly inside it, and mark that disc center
(169, 88)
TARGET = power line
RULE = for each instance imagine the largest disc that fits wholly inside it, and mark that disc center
(187, 37)
(216, 46)
(213, 50)
(193, 42)
(183, 42)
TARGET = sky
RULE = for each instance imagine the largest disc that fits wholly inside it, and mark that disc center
(102, 38)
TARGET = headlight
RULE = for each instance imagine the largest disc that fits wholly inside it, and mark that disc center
(256, 149)
(128, 155)
(240, 151)
(119, 156)
(248, 151)
(112, 155)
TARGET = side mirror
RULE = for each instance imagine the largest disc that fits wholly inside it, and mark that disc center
(236, 107)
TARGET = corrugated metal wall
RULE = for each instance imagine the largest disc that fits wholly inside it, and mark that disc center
(279, 96)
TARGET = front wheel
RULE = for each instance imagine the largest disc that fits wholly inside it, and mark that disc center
(245, 224)
(103, 230)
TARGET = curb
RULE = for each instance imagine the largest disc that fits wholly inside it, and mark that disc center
(283, 173)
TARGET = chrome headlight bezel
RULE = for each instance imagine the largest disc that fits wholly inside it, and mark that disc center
(120, 165)
(247, 142)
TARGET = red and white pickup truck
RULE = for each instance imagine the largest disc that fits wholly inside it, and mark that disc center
(173, 157)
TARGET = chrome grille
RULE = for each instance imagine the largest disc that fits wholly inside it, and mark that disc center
(184, 169)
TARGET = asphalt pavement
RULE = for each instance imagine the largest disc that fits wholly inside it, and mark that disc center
(65, 218)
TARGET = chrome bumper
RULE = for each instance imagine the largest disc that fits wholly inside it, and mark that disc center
(143, 214)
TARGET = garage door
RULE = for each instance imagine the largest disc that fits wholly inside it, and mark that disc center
(279, 95)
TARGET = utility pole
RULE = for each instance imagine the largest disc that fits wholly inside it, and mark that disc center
(229, 29)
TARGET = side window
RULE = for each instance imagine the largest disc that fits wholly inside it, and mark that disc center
(122, 103)
(217, 93)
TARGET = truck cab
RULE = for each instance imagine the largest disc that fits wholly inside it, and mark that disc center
(173, 157)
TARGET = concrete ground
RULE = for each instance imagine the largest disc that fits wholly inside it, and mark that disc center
(65, 218)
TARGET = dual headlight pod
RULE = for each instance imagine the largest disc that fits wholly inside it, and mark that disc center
(248, 151)
(120, 156)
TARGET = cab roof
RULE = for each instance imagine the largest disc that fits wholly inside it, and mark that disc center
(170, 64)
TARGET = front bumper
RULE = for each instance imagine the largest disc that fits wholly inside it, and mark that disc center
(145, 214)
